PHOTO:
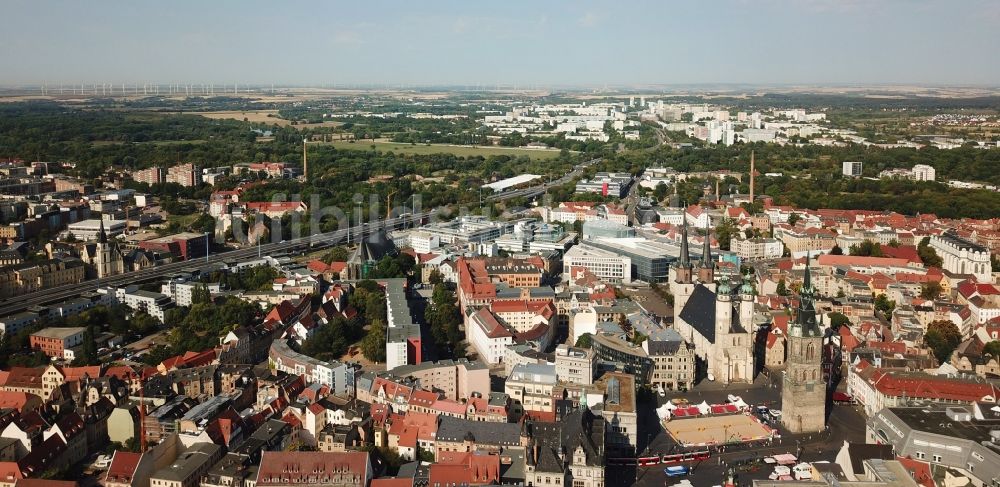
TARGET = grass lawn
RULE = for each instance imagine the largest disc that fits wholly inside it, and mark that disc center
(458, 150)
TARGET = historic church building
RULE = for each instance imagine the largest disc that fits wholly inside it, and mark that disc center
(716, 318)
(803, 389)
(105, 256)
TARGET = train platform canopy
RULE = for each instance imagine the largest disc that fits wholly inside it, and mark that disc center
(511, 182)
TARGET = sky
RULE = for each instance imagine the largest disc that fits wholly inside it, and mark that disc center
(536, 43)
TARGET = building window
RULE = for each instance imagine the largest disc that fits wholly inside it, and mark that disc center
(936, 458)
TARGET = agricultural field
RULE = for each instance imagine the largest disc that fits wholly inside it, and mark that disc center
(269, 117)
(457, 150)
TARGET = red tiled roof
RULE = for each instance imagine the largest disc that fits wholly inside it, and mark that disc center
(123, 465)
(860, 261)
(474, 280)
(969, 288)
(44, 483)
(392, 482)
(491, 326)
(465, 468)
(449, 406)
(122, 372)
(919, 471)
(908, 252)
(297, 467)
(892, 384)
(73, 374)
(543, 308)
(24, 377)
(17, 400)
(274, 206)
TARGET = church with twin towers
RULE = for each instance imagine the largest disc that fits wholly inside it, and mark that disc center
(717, 317)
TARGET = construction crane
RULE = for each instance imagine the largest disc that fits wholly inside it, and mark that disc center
(388, 204)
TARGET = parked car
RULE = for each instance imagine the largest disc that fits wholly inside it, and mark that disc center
(103, 461)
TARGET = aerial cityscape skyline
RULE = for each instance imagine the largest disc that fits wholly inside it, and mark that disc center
(739, 243)
(823, 42)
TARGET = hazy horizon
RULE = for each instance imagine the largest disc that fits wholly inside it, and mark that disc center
(584, 44)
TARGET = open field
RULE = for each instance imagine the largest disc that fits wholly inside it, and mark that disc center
(269, 117)
(708, 430)
(458, 150)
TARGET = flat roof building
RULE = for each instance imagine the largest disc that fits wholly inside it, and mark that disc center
(504, 184)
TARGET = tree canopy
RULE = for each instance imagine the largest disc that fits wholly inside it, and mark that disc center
(942, 338)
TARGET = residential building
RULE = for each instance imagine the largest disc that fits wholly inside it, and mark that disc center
(570, 452)
(129, 469)
(851, 169)
(530, 388)
(811, 241)
(756, 248)
(338, 376)
(181, 290)
(153, 175)
(26, 278)
(154, 304)
(403, 341)
(488, 335)
(55, 341)
(456, 379)
(183, 246)
(575, 365)
(187, 175)
(188, 468)
(463, 435)
(618, 407)
(923, 172)
(322, 469)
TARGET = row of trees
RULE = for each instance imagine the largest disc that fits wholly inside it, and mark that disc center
(443, 317)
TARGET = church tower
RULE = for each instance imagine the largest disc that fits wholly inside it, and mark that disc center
(683, 268)
(803, 391)
(706, 273)
(683, 285)
(723, 309)
(747, 296)
(108, 260)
